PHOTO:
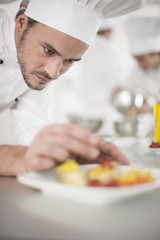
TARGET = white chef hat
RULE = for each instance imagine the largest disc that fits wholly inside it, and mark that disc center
(144, 34)
(79, 18)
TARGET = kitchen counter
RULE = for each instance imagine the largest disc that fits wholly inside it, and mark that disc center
(27, 214)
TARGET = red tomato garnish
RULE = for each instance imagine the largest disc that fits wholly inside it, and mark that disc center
(113, 184)
(95, 184)
(107, 163)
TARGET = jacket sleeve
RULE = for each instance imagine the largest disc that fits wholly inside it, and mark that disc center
(30, 115)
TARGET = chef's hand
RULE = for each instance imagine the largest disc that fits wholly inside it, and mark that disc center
(55, 143)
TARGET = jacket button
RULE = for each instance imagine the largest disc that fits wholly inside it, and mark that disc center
(1, 61)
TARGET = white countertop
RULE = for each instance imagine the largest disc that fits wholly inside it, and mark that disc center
(27, 214)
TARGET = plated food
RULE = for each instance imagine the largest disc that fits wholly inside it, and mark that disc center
(123, 182)
(106, 174)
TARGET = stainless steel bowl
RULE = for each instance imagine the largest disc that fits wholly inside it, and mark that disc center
(124, 100)
(128, 127)
(92, 124)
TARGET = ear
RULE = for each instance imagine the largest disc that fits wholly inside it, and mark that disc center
(21, 23)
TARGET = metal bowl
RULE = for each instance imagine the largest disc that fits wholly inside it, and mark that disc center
(92, 124)
(128, 127)
(125, 100)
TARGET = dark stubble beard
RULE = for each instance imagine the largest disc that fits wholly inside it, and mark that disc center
(22, 63)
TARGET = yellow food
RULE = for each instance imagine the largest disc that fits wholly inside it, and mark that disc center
(103, 174)
(135, 176)
(69, 166)
(106, 174)
(70, 173)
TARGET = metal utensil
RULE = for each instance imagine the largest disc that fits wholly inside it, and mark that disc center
(127, 127)
(92, 124)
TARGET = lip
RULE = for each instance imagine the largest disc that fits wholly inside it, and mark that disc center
(42, 80)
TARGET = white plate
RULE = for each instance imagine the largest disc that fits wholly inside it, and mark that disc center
(47, 183)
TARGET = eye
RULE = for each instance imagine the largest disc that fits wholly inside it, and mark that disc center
(70, 61)
(47, 51)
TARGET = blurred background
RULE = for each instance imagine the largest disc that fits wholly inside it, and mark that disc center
(113, 90)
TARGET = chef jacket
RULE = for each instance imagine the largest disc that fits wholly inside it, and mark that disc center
(28, 107)
(146, 81)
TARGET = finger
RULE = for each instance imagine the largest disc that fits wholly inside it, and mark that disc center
(40, 163)
(84, 135)
(82, 149)
(51, 148)
(112, 151)
(76, 132)
(68, 139)
(59, 147)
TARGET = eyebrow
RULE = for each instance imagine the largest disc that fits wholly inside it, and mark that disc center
(50, 47)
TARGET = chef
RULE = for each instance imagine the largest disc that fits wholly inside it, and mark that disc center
(41, 44)
(144, 37)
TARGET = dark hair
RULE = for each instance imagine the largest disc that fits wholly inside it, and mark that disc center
(31, 21)
(104, 31)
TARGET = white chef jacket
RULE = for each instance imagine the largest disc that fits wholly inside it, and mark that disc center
(148, 82)
(28, 106)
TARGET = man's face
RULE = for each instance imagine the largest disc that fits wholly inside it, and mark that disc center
(148, 61)
(44, 53)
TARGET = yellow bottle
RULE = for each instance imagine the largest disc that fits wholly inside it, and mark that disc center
(157, 121)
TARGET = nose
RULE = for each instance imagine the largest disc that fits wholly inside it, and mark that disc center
(53, 67)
